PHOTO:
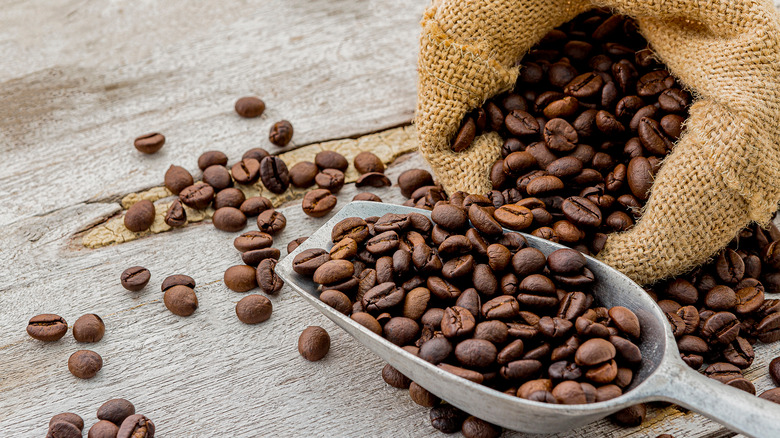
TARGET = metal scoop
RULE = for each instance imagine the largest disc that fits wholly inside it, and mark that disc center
(662, 376)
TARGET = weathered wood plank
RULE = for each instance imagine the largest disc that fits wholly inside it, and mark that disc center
(209, 369)
(72, 104)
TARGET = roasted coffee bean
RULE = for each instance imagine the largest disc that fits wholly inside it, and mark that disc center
(721, 327)
(89, 328)
(217, 177)
(330, 179)
(136, 426)
(654, 83)
(308, 261)
(249, 107)
(373, 179)
(449, 217)
(177, 280)
(140, 216)
(252, 240)
(302, 174)
(177, 178)
(721, 298)
(769, 328)
(640, 178)
(518, 163)
(367, 162)
(652, 136)
(63, 429)
(176, 216)
(367, 321)
(476, 353)
(466, 135)
(198, 195)
(149, 143)
(582, 211)
(514, 216)
(135, 278)
(739, 352)
(729, 266)
(255, 205)
(274, 174)
(394, 378)
(331, 160)
(366, 196)
(584, 86)
(336, 299)
(560, 136)
(85, 364)
(281, 133)
(271, 221)
(68, 417)
(382, 297)
(246, 171)
(413, 179)
(230, 197)
(521, 124)
(115, 410)
(594, 351)
(47, 327)
(631, 416)
(240, 278)
(103, 429)
(212, 158)
(318, 203)
(253, 309)
(683, 291)
(447, 418)
(473, 427)
(255, 256)
(421, 396)
(314, 343)
(401, 330)
(267, 279)
(772, 395)
(180, 300)
(229, 219)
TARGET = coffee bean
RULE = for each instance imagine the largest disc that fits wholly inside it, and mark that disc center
(521, 124)
(85, 364)
(274, 174)
(249, 107)
(103, 429)
(769, 328)
(302, 174)
(255, 256)
(198, 195)
(654, 83)
(473, 427)
(337, 299)
(367, 162)
(514, 216)
(240, 278)
(721, 298)
(136, 426)
(135, 278)
(307, 262)
(212, 158)
(140, 216)
(330, 179)
(115, 410)
(217, 177)
(180, 300)
(314, 343)
(625, 320)
(281, 133)
(230, 197)
(246, 171)
(631, 416)
(177, 178)
(267, 279)
(89, 328)
(447, 418)
(318, 203)
(63, 429)
(177, 280)
(47, 327)
(256, 153)
(373, 179)
(476, 353)
(229, 219)
(394, 378)
(175, 216)
(582, 211)
(594, 351)
(412, 179)
(466, 135)
(68, 417)
(421, 396)
(252, 240)
(149, 143)
(401, 330)
(366, 196)
(253, 309)
(584, 86)
(271, 221)
(652, 136)
(721, 327)
(560, 136)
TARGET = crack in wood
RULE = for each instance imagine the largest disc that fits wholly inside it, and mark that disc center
(387, 144)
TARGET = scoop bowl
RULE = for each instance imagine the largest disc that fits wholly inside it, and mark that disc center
(662, 375)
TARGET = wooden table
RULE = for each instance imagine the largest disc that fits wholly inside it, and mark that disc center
(80, 80)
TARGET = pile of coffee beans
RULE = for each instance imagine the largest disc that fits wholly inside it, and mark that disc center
(718, 311)
(89, 328)
(116, 419)
(479, 303)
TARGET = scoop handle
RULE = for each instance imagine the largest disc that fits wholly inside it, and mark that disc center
(738, 410)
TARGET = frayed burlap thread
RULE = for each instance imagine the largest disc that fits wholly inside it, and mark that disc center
(724, 171)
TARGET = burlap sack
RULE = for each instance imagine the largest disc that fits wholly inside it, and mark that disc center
(724, 171)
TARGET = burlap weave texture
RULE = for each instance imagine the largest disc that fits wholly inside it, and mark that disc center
(724, 171)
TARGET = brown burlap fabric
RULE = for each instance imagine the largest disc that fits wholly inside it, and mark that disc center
(724, 171)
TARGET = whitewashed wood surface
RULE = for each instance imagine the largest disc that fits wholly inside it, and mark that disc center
(79, 79)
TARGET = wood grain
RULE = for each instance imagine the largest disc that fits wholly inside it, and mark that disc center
(81, 79)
